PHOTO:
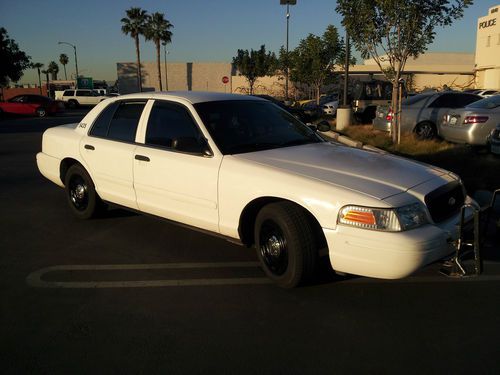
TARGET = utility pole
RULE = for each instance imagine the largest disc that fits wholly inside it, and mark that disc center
(287, 3)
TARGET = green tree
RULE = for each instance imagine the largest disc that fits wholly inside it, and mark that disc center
(53, 70)
(313, 61)
(157, 29)
(38, 66)
(134, 25)
(63, 59)
(254, 64)
(391, 31)
(13, 61)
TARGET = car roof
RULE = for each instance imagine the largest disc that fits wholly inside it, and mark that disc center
(191, 96)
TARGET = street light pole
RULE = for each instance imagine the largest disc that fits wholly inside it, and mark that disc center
(287, 3)
(166, 67)
(76, 61)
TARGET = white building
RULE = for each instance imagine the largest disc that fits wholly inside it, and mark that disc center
(487, 63)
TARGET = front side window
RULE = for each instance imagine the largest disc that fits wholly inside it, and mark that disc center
(83, 93)
(239, 126)
(69, 93)
(170, 125)
(118, 121)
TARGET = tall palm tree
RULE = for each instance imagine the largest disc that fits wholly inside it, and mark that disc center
(47, 72)
(133, 25)
(158, 30)
(37, 66)
(63, 59)
(53, 70)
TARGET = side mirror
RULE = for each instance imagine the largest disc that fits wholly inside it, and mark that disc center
(192, 145)
(323, 126)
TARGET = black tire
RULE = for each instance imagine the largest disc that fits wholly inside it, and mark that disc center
(285, 244)
(72, 103)
(425, 130)
(41, 112)
(80, 193)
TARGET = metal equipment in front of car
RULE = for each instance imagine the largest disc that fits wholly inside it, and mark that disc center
(456, 266)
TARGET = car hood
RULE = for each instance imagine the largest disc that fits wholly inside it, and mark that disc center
(367, 172)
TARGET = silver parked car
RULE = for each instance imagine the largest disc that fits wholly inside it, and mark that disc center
(472, 124)
(422, 113)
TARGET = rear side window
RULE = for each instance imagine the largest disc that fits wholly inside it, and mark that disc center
(83, 93)
(118, 121)
(466, 99)
(125, 121)
(69, 93)
(101, 125)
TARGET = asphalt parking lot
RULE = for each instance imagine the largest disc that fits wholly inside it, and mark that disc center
(128, 293)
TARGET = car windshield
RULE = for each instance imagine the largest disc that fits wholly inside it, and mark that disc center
(239, 126)
(488, 103)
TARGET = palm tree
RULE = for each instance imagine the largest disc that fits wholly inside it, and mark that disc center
(37, 66)
(53, 70)
(157, 30)
(47, 72)
(134, 25)
(63, 59)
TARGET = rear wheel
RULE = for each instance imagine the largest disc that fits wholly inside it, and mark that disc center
(41, 112)
(285, 244)
(425, 130)
(80, 192)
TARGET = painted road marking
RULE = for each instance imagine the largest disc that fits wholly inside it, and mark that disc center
(35, 280)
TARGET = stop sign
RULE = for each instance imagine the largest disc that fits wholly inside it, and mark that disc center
(225, 79)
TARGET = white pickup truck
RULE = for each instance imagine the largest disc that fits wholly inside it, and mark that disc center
(75, 98)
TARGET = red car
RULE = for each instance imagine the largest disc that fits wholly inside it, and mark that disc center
(38, 105)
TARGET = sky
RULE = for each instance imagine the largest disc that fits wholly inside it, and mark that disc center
(204, 30)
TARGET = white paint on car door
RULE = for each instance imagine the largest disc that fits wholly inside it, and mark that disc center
(177, 184)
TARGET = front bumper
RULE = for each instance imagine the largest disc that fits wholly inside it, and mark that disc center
(390, 255)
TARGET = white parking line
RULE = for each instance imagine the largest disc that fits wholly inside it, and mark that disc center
(34, 279)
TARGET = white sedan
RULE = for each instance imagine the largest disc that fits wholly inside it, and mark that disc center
(242, 168)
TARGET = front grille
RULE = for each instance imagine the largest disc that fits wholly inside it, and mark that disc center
(445, 201)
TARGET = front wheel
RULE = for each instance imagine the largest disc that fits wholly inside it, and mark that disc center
(285, 244)
(80, 192)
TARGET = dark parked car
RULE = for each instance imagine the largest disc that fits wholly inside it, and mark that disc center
(495, 140)
(422, 113)
(298, 112)
(37, 105)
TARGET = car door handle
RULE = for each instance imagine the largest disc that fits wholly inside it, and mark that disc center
(89, 147)
(141, 158)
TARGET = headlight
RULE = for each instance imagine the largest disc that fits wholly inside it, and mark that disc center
(390, 220)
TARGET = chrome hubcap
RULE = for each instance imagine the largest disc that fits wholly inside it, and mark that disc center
(273, 248)
(78, 193)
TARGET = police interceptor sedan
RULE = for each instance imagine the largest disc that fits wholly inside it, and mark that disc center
(242, 168)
